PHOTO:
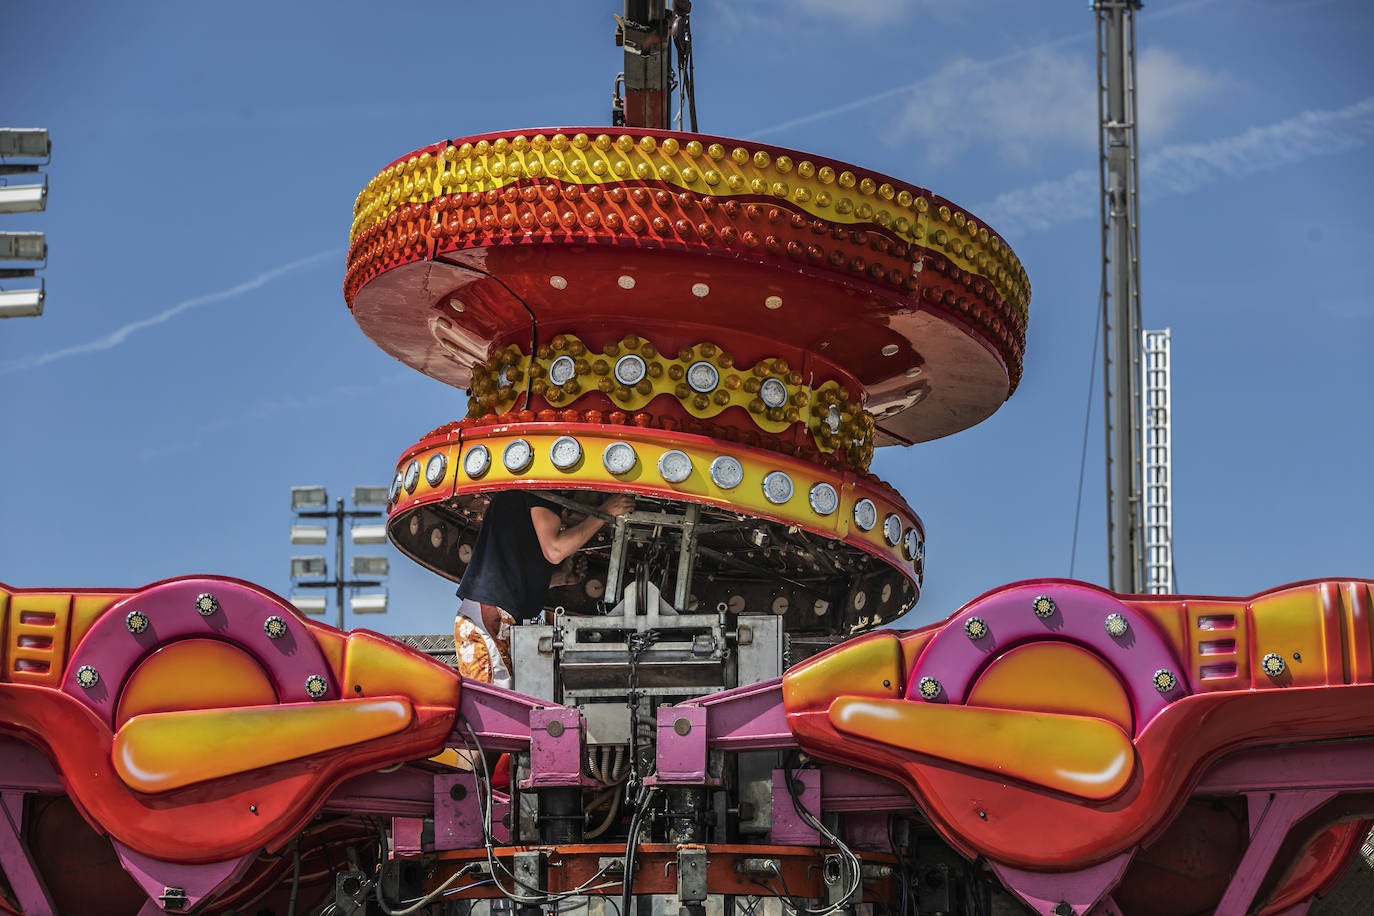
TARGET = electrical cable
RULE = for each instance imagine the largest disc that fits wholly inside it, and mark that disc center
(427, 899)
(485, 804)
(847, 856)
(295, 877)
(1083, 452)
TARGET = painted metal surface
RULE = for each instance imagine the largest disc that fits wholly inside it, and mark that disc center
(985, 785)
(207, 773)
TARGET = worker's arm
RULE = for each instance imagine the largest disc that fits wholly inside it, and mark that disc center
(559, 543)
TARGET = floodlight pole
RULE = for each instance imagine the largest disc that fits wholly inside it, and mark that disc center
(339, 583)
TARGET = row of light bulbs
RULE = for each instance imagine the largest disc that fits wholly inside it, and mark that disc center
(674, 466)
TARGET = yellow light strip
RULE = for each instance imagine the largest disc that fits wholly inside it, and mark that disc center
(845, 197)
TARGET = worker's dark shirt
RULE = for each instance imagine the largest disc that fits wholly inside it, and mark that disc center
(508, 568)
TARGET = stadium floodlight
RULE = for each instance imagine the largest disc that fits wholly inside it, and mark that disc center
(370, 496)
(308, 497)
(368, 604)
(309, 534)
(371, 566)
(369, 534)
(21, 303)
(305, 567)
(310, 604)
(23, 198)
(23, 246)
(25, 143)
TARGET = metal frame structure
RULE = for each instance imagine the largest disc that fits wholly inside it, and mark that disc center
(1157, 449)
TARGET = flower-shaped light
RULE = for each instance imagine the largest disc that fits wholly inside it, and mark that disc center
(930, 688)
(1165, 680)
(315, 686)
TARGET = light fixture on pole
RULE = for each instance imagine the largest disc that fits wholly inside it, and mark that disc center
(311, 502)
(26, 197)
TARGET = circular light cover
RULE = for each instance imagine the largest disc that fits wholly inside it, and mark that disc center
(435, 468)
(975, 628)
(477, 461)
(87, 677)
(727, 472)
(619, 458)
(412, 479)
(674, 466)
(274, 627)
(930, 688)
(206, 604)
(1273, 664)
(911, 543)
(136, 621)
(824, 499)
(395, 488)
(565, 452)
(777, 487)
(1044, 606)
(315, 686)
(865, 514)
(1116, 625)
(832, 419)
(562, 370)
(517, 455)
(630, 369)
(702, 377)
(773, 392)
(1165, 680)
(892, 530)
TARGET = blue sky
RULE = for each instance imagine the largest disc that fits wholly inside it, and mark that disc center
(196, 358)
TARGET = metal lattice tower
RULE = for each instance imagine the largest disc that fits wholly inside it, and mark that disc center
(1120, 288)
(1156, 446)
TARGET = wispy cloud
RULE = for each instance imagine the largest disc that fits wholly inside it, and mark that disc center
(1185, 167)
(123, 333)
(865, 13)
(956, 74)
(924, 83)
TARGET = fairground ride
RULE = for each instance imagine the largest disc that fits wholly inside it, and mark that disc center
(713, 720)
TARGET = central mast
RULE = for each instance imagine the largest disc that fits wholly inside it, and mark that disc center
(1120, 289)
(648, 31)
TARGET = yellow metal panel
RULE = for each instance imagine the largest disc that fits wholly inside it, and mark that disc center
(1081, 756)
(1054, 677)
(1218, 645)
(194, 674)
(867, 667)
(165, 751)
(4, 633)
(1290, 623)
(37, 637)
(378, 667)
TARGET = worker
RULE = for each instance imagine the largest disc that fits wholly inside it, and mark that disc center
(523, 539)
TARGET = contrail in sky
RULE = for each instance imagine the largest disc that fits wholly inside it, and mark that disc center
(1185, 167)
(121, 334)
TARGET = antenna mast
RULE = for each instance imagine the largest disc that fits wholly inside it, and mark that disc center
(1120, 288)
